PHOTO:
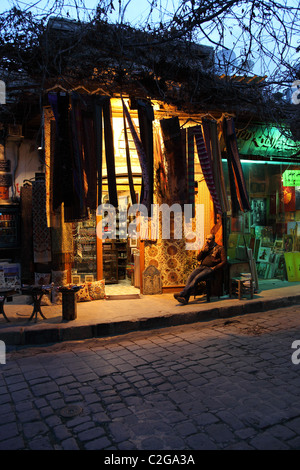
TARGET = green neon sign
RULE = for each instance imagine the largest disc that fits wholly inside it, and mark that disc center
(291, 178)
(266, 141)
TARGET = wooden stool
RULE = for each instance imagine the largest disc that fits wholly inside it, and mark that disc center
(241, 286)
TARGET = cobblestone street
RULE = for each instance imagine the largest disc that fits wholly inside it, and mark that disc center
(222, 384)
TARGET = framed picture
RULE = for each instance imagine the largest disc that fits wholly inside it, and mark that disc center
(258, 211)
(278, 245)
(89, 278)
(262, 270)
(247, 222)
(76, 278)
(279, 271)
(288, 242)
(293, 228)
(264, 253)
(133, 242)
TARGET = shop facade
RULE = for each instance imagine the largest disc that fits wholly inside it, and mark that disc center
(168, 179)
(119, 250)
(270, 162)
(260, 218)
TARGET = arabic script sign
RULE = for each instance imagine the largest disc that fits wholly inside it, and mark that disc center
(291, 178)
(265, 142)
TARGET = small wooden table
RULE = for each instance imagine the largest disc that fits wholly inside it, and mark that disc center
(36, 293)
(4, 293)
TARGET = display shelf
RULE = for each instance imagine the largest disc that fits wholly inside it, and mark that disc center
(9, 227)
(110, 267)
(118, 251)
(85, 252)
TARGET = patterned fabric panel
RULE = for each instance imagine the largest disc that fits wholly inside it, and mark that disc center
(97, 290)
(83, 294)
(42, 279)
(59, 278)
(172, 259)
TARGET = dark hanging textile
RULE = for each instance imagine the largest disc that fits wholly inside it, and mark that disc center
(146, 117)
(239, 195)
(66, 175)
(161, 181)
(217, 166)
(206, 166)
(130, 179)
(98, 144)
(210, 136)
(62, 175)
(77, 161)
(90, 151)
(78, 209)
(109, 151)
(176, 161)
(142, 158)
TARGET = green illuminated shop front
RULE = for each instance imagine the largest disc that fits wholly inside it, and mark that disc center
(270, 161)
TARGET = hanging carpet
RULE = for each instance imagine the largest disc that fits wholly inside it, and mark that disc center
(103, 124)
(160, 174)
(78, 210)
(212, 143)
(128, 162)
(89, 149)
(206, 166)
(145, 199)
(146, 118)
(77, 159)
(41, 231)
(62, 166)
(97, 109)
(109, 151)
(66, 182)
(239, 195)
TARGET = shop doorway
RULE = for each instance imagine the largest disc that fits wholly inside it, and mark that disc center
(118, 253)
(116, 260)
(120, 267)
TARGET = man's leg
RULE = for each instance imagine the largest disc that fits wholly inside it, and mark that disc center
(197, 275)
(201, 275)
(183, 296)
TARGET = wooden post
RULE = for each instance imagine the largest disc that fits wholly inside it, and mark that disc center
(142, 263)
(99, 253)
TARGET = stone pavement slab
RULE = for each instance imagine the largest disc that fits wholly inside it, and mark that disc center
(225, 384)
(108, 317)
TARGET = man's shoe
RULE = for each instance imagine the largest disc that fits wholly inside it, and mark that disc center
(182, 299)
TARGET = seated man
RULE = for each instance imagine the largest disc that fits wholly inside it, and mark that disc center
(211, 257)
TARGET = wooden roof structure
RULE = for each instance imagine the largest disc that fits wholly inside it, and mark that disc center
(117, 59)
